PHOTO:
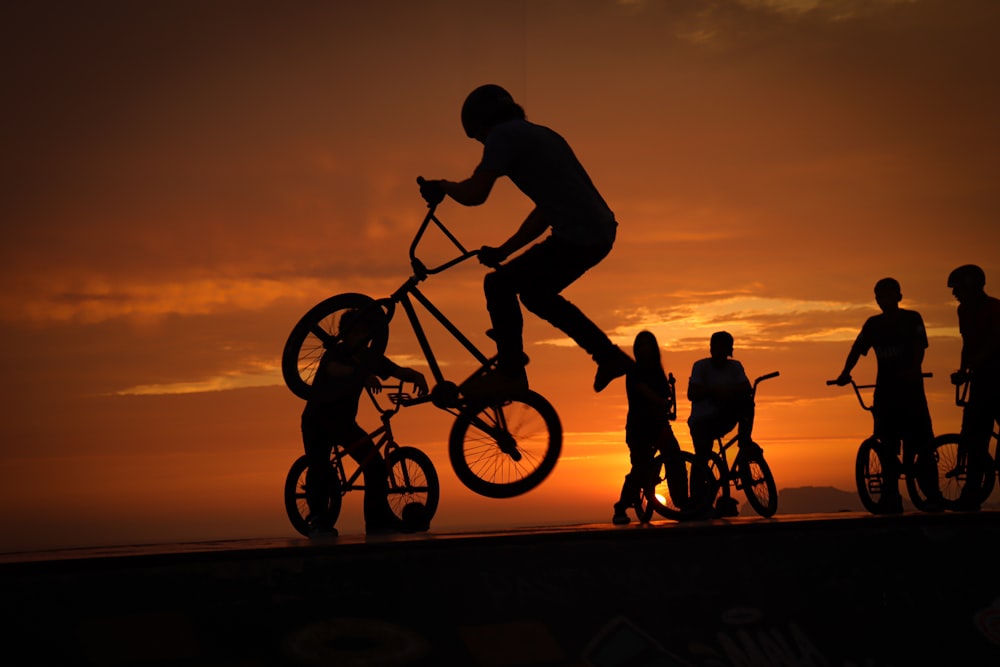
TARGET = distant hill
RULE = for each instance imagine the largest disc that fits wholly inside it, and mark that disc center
(817, 500)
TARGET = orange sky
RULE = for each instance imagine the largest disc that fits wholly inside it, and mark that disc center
(182, 180)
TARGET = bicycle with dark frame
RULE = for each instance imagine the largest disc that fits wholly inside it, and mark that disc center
(668, 492)
(869, 469)
(501, 444)
(952, 460)
(749, 472)
(412, 478)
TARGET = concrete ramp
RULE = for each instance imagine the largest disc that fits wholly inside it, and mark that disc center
(833, 590)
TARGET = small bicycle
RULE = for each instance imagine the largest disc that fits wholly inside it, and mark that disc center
(669, 492)
(412, 477)
(749, 472)
(952, 460)
(869, 476)
(500, 445)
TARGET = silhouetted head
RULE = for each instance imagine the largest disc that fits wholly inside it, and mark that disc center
(485, 107)
(646, 349)
(721, 345)
(967, 282)
(888, 294)
(358, 326)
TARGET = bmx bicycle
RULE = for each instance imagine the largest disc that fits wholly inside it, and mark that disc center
(869, 473)
(501, 444)
(952, 460)
(410, 472)
(668, 492)
(748, 473)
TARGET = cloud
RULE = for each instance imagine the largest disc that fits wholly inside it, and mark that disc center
(266, 376)
(760, 322)
(94, 300)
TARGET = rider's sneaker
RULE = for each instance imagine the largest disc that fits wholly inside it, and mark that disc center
(496, 382)
(615, 365)
(620, 518)
(321, 530)
(727, 507)
(965, 503)
(890, 505)
(933, 505)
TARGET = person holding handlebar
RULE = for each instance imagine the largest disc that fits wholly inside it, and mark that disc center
(582, 232)
(899, 405)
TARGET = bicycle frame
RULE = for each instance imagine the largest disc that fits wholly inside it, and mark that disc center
(381, 439)
(725, 445)
(444, 393)
(961, 400)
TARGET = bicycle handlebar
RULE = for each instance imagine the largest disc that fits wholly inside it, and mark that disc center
(419, 268)
(858, 387)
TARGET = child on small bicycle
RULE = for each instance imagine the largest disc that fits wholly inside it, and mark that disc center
(330, 418)
(647, 424)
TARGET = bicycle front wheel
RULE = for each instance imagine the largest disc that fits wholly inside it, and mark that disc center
(504, 447)
(317, 331)
(412, 479)
(758, 485)
(869, 476)
(683, 487)
(296, 505)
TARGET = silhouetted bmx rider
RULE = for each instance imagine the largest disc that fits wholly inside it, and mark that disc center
(543, 166)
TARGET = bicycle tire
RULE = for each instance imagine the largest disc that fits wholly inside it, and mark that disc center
(952, 472)
(643, 507)
(911, 464)
(296, 506)
(868, 475)
(412, 479)
(528, 447)
(720, 479)
(678, 498)
(758, 484)
(316, 331)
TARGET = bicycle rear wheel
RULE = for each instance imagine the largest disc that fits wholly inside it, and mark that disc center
(952, 463)
(684, 487)
(318, 330)
(504, 447)
(869, 476)
(296, 506)
(758, 484)
(412, 479)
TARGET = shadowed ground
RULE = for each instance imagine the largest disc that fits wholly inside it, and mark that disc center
(838, 589)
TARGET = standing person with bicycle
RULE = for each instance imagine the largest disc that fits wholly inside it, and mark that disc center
(330, 418)
(899, 405)
(721, 399)
(543, 166)
(647, 424)
(979, 324)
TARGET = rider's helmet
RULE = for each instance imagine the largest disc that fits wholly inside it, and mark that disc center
(485, 107)
(967, 275)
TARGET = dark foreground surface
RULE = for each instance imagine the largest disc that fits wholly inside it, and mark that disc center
(851, 590)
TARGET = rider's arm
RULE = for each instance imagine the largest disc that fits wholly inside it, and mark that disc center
(389, 368)
(532, 227)
(474, 190)
(852, 360)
